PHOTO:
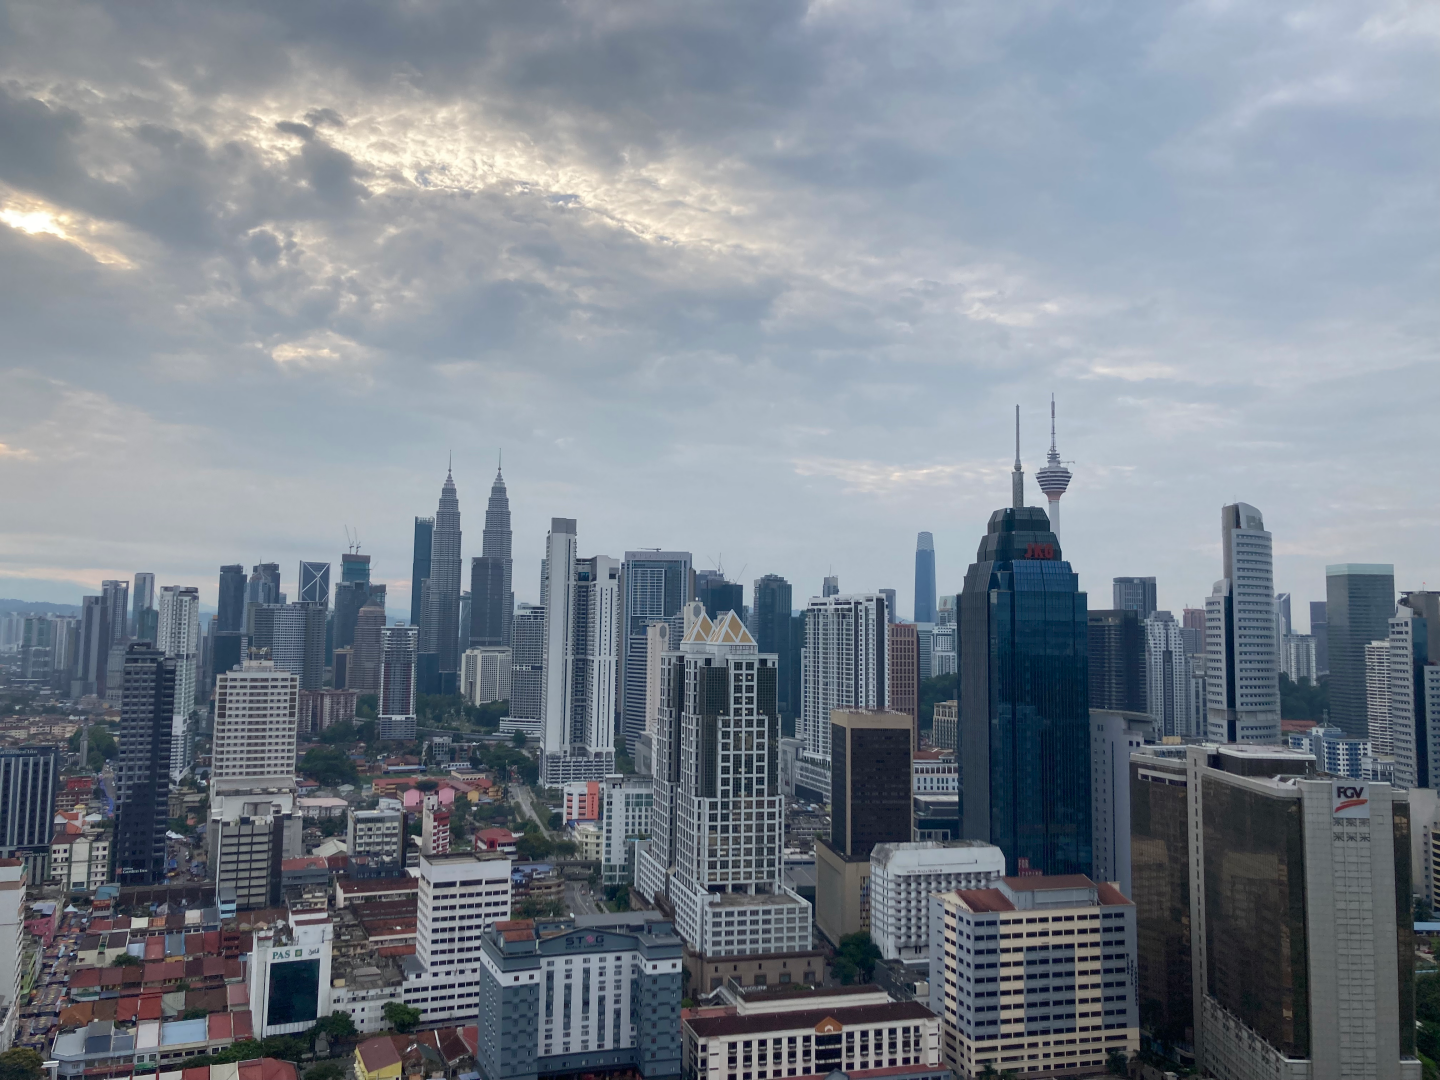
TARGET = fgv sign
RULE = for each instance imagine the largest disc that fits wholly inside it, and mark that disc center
(1349, 800)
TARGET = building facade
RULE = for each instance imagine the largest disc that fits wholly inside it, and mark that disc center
(845, 665)
(1169, 670)
(1024, 686)
(944, 725)
(398, 663)
(495, 543)
(655, 584)
(1117, 660)
(485, 674)
(1359, 601)
(1034, 975)
(628, 804)
(1135, 594)
(147, 709)
(904, 681)
(1114, 736)
(29, 777)
(1243, 674)
(1414, 704)
(903, 877)
(527, 672)
(925, 578)
(179, 630)
(772, 600)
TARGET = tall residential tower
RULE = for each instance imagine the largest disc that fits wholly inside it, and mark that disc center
(1242, 683)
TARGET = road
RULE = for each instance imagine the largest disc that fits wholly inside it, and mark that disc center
(579, 899)
(525, 800)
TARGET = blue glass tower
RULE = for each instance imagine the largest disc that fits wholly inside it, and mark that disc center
(925, 578)
(1025, 723)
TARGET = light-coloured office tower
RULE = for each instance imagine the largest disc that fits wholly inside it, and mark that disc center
(831, 585)
(1167, 678)
(1377, 697)
(1270, 903)
(179, 630)
(945, 725)
(366, 650)
(527, 671)
(460, 895)
(1415, 689)
(1242, 679)
(1062, 954)
(718, 818)
(396, 710)
(582, 629)
(944, 654)
(945, 610)
(845, 665)
(904, 876)
(1114, 736)
(255, 726)
(485, 674)
(657, 644)
(1297, 657)
(628, 802)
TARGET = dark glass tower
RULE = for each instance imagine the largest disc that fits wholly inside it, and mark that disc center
(1320, 631)
(925, 578)
(146, 703)
(495, 544)
(352, 593)
(1135, 594)
(655, 584)
(1359, 601)
(1117, 660)
(420, 568)
(439, 660)
(772, 598)
(717, 594)
(1025, 738)
(489, 594)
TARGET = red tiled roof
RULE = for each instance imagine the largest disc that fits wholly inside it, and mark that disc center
(237, 994)
(155, 948)
(395, 950)
(150, 1008)
(713, 1026)
(219, 1026)
(1041, 882)
(985, 900)
(85, 978)
(308, 862)
(202, 1073)
(1109, 894)
(168, 971)
(244, 1028)
(378, 1053)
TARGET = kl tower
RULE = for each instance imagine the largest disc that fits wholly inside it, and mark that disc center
(1054, 478)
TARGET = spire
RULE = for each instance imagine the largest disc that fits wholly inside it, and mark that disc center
(1017, 478)
(450, 466)
(1053, 457)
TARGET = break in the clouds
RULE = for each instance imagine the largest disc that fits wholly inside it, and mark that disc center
(760, 280)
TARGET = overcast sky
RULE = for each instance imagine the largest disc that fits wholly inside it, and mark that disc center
(760, 280)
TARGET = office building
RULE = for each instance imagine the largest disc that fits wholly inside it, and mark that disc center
(92, 637)
(230, 605)
(396, 708)
(420, 568)
(445, 982)
(29, 776)
(1118, 660)
(179, 637)
(1135, 594)
(1297, 658)
(256, 718)
(945, 610)
(925, 578)
(1265, 895)
(903, 877)
(944, 651)
(870, 779)
(1378, 727)
(293, 637)
(945, 725)
(582, 628)
(527, 672)
(853, 1031)
(14, 879)
(495, 543)
(1415, 689)
(904, 681)
(628, 801)
(890, 608)
(438, 664)
(1114, 736)
(846, 665)
(315, 583)
(247, 845)
(352, 593)
(485, 674)
(924, 649)
(143, 612)
(934, 772)
(491, 605)
(830, 586)
(657, 644)
(1282, 613)
(717, 823)
(600, 996)
(1169, 672)
(719, 595)
(342, 661)
(1242, 680)
(366, 650)
(1022, 613)
(147, 710)
(263, 586)
(582, 800)
(654, 586)
(379, 836)
(771, 600)
(1359, 601)
(1334, 753)
(1319, 630)
(1072, 995)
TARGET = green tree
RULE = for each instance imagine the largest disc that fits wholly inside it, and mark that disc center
(401, 1017)
(534, 908)
(22, 1063)
(366, 706)
(938, 688)
(195, 1014)
(518, 738)
(1427, 998)
(326, 1070)
(860, 951)
(124, 959)
(532, 845)
(341, 734)
(328, 766)
(338, 1025)
(102, 746)
(1118, 1063)
(1304, 700)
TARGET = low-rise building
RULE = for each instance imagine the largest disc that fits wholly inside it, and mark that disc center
(80, 861)
(904, 876)
(855, 1030)
(1037, 974)
(600, 997)
(589, 841)
(378, 834)
(934, 772)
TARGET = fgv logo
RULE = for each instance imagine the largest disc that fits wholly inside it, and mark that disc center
(1349, 801)
(1039, 551)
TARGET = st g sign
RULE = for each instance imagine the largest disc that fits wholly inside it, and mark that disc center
(1349, 800)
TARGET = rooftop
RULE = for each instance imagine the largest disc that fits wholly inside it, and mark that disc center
(709, 1027)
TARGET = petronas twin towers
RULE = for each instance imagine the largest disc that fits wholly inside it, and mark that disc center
(438, 580)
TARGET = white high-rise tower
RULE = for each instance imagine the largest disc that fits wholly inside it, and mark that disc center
(179, 633)
(1054, 478)
(1243, 678)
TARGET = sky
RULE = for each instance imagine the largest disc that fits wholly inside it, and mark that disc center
(762, 280)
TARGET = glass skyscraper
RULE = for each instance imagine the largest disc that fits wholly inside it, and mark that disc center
(1025, 724)
(1359, 601)
(654, 586)
(771, 596)
(925, 578)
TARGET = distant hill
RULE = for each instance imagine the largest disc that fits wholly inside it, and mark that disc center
(38, 607)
